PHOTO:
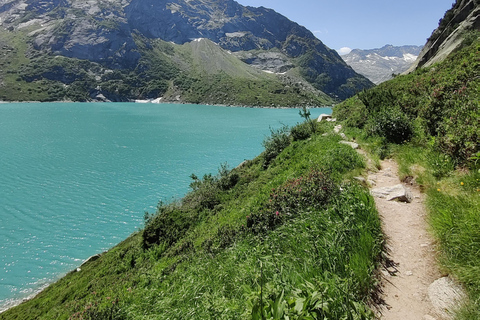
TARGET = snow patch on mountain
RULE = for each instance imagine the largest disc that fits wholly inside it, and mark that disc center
(380, 64)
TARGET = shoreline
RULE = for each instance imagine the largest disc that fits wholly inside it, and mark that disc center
(171, 102)
(13, 302)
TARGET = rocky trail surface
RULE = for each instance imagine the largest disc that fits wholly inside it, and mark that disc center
(413, 286)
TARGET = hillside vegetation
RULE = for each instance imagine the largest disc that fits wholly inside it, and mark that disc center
(196, 72)
(429, 121)
(204, 51)
(288, 234)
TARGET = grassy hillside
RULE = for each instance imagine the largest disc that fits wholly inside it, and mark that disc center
(429, 121)
(197, 72)
(288, 234)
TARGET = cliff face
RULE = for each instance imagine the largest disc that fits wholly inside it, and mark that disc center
(106, 32)
(450, 34)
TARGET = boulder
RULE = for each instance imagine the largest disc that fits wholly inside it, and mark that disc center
(397, 192)
(445, 295)
(324, 116)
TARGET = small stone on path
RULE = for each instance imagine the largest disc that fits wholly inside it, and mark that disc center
(351, 144)
(396, 192)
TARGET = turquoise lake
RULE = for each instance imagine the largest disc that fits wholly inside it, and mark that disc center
(76, 178)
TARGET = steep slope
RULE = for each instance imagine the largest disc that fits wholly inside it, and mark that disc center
(288, 234)
(380, 64)
(116, 36)
(450, 34)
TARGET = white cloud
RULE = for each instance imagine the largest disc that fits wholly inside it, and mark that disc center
(344, 50)
(323, 31)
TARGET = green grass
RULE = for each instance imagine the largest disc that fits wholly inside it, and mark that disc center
(441, 104)
(295, 239)
(197, 72)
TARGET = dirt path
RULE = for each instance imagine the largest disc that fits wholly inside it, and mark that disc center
(411, 250)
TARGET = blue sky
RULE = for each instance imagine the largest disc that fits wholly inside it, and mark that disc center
(362, 24)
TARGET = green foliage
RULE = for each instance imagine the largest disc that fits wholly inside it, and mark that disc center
(301, 132)
(312, 191)
(439, 109)
(278, 140)
(440, 101)
(392, 124)
(192, 261)
(456, 224)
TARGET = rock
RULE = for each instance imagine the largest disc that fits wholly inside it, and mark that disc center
(361, 179)
(464, 16)
(351, 144)
(397, 192)
(337, 129)
(344, 137)
(92, 258)
(324, 116)
(445, 296)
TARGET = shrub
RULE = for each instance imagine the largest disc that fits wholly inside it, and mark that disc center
(301, 131)
(167, 226)
(307, 192)
(392, 124)
(278, 140)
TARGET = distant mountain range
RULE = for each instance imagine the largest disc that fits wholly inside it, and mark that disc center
(379, 65)
(144, 49)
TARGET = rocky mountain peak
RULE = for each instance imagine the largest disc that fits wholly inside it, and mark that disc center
(108, 32)
(380, 64)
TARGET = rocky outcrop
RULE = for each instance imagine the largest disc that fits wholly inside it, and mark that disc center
(107, 32)
(462, 17)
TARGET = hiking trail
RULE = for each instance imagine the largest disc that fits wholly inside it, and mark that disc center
(412, 284)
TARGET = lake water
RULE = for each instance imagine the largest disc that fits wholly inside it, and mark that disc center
(76, 178)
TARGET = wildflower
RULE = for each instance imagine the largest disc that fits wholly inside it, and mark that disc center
(438, 189)
(277, 213)
(461, 183)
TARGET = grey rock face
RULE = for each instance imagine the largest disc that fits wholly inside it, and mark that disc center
(463, 16)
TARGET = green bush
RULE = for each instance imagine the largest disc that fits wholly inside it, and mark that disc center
(278, 140)
(301, 131)
(392, 124)
(311, 191)
(167, 226)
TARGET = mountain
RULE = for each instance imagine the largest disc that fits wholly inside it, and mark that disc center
(463, 17)
(378, 65)
(135, 49)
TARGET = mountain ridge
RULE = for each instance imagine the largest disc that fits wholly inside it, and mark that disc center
(380, 64)
(108, 33)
